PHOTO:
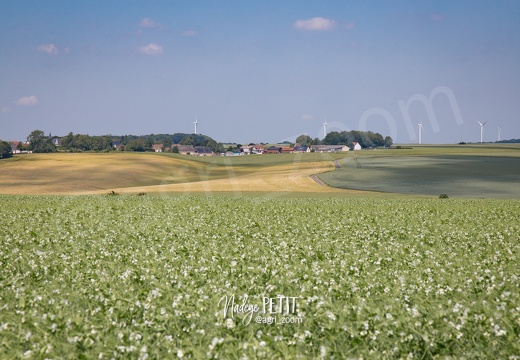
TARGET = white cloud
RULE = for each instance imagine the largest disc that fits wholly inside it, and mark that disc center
(315, 24)
(27, 101)
(149, 23)
(151, 49)
(50, 49)
(189, 33)
(350, 25)
(5, 109)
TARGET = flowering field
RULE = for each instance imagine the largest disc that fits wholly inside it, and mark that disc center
(222, 277)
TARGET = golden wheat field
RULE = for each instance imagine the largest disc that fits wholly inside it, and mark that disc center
(91, 173)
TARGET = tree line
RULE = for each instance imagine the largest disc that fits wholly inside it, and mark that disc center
(367, 139)
(38, 142)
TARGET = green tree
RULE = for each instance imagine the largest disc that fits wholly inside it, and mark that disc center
(136, 145)
(39, 143)
(5, 150)
(304, 140)
(332, 138)
(187, 140)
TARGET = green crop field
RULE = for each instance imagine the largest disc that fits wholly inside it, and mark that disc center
(249, 257)
(477, 171)
(457, 176)
(150, 277)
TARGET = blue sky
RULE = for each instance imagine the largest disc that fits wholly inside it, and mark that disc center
(261, 71)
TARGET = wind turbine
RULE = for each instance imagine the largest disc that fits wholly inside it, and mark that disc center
(325, 128)
(499, 132)
(420, 133)
(195, 123)
(481, 129)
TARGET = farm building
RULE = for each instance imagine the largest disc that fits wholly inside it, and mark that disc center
(302, 149)
(273, 150)
(329, 148)
(202, 151)
(185, 149)
(357, 146)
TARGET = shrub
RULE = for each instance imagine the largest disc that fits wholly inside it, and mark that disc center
(443, 196)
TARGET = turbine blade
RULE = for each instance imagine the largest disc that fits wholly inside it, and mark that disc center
(480, 123)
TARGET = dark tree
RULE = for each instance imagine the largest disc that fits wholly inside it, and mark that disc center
(5, 150)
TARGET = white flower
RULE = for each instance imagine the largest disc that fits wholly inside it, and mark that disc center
(323, 351)
(230, 324)
(330, 315)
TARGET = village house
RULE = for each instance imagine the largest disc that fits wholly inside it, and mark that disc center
(157, 147)
(357, 146)
(14, 146)
(257, 149)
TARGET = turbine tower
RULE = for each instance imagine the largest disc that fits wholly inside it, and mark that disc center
(499, 132)
(195, 123)
(420, 133)
(481, 129)
(325, 128)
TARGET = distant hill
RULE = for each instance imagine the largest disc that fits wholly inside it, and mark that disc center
(510, 141)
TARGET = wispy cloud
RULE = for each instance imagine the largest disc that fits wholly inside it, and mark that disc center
(189, 33)
(315, 24)
(27, 101)
(50, 49)
(151, 49)
(149, 23)
(437, 17)
(5, 109)
(350, 26)
(307, 117)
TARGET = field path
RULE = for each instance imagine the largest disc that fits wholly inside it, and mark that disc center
(318, 180)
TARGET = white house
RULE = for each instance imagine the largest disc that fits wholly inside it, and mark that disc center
(357, 146)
